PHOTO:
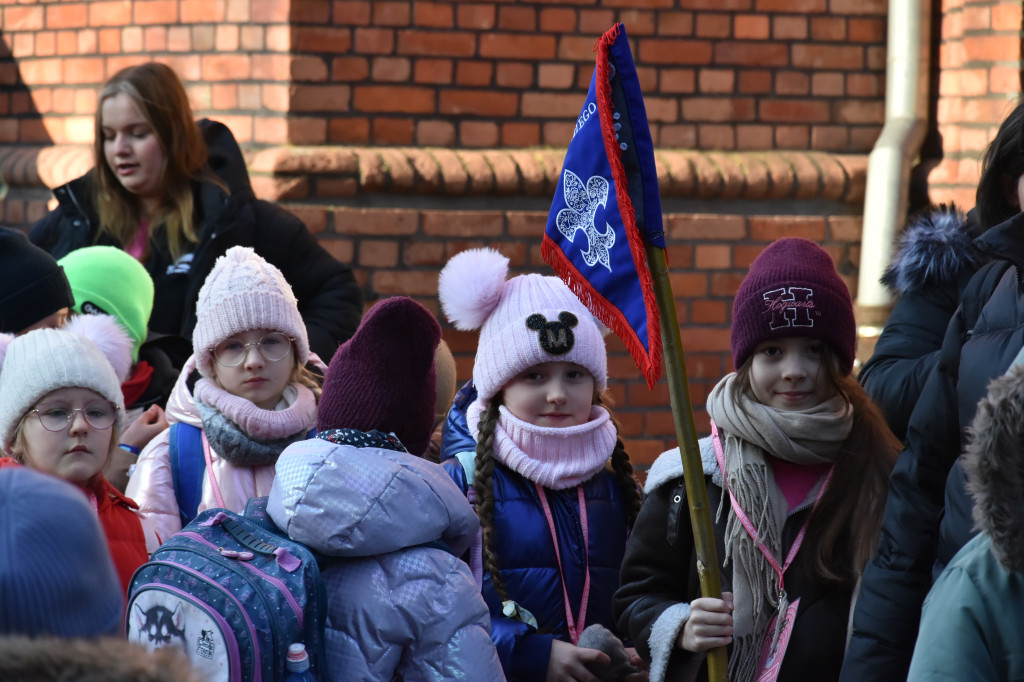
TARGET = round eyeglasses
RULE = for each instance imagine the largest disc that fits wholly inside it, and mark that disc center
(58, 417)
(274, 347)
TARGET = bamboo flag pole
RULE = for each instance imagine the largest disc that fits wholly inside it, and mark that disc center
(686, 435)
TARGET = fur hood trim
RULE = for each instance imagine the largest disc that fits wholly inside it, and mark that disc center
(935, 246)
(90, 660)
(669, 466)
(994, 462)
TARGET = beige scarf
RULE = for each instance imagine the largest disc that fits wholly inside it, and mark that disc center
(748, 429)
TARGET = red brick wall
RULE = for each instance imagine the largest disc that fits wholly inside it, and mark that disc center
(232, 54)
(370, 80)
(978, 79)
(398, 251)
(733, 75)
(737, 74)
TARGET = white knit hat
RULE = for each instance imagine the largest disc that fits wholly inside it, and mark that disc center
(523, 321)
(44, 360)
(243, 292)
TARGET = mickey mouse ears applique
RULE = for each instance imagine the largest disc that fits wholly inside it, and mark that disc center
(555, 337)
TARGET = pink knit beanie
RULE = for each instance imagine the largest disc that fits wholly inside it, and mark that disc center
(243, 292)
(523, 321)
(793, 289)
(383, 378)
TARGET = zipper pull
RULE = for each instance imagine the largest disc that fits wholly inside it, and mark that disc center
(232, 554)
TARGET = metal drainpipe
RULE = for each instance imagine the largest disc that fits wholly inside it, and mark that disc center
(885, 199)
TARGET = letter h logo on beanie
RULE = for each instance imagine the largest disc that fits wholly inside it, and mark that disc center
(793, 289)
(790, 307)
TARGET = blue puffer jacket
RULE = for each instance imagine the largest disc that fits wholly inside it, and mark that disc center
(400, 604)
(527, 561)
(455, 436)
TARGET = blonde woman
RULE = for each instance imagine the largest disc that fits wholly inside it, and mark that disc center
(175, 194)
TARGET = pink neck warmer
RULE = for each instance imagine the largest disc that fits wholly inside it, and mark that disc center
(557, 458)
(295, 412)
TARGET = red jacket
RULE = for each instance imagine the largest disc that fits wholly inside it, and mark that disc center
(121, 525)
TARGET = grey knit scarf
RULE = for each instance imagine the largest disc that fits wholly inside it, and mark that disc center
(748, 429)
(236, 446)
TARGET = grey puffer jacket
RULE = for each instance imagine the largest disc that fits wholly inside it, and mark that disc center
(400, 602)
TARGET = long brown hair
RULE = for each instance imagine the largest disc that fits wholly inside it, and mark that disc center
(843, 530)
(483, 485)
(158, 94)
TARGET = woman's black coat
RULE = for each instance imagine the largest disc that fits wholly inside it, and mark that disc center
(935, 260)
(330, 301)
(927, 515)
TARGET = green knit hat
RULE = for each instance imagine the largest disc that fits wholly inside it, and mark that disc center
(106, 280)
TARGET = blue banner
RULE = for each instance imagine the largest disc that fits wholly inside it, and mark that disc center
(607, 208)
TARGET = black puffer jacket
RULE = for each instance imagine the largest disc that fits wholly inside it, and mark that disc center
(330, 301)
(935, 260)
(659, 579)
(983, 337)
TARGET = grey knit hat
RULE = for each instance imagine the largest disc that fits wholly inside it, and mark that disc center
(44, 360)
(56, 574)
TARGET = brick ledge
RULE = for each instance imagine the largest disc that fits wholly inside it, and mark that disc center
(291, 173)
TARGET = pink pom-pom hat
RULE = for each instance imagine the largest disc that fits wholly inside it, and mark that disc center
(524, 321)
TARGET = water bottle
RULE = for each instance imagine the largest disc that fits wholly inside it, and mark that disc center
(298, 664)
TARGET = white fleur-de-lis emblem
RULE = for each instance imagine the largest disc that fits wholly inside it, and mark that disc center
(582, 202)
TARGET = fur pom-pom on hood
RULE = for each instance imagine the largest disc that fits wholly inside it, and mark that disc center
(994, 463)
(935, 246)
(107, 335)
(470, 287)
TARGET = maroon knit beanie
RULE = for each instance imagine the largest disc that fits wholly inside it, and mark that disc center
(383, 378)
(793, 289)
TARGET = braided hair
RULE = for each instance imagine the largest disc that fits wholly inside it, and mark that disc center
(485, 493)
(484, 464)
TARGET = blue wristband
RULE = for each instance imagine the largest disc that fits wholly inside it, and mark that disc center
(130, 448)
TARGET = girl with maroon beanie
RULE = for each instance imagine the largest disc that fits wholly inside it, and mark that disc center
(796, 468)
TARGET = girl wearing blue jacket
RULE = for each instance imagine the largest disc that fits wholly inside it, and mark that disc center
(551, 481)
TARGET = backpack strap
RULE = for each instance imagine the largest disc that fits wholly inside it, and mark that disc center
(188, 466)
(467, 459)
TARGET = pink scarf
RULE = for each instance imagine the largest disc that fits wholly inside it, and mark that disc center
(555, 457)
(299, 414)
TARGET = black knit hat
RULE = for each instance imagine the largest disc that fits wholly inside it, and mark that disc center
(383, 378)
(793, 289)
(32, 285)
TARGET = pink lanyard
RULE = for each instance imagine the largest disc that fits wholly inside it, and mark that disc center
(214, 486)
(575, 627)
(749, 526)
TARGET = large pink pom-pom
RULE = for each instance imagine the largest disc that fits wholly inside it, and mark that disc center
(470, 287)
(109, 337)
